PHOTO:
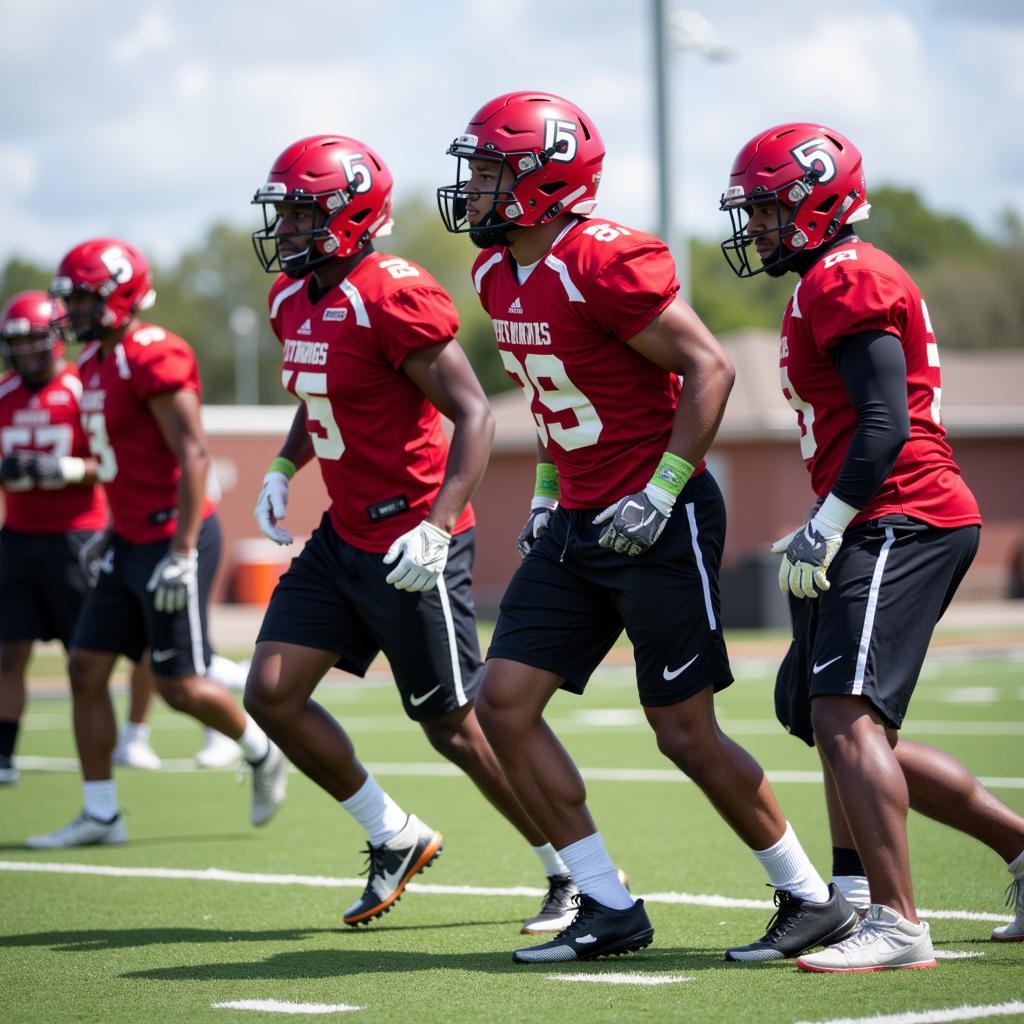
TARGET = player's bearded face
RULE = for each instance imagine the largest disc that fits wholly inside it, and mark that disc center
(763, 226)
(82, 310)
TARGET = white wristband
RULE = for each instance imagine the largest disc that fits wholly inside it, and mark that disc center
(834, 516)
(72, 469)
(540, 501)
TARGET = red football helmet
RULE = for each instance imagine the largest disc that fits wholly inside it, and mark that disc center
(340, 177)
(554, 153)
(117, 277)
(30, 339)
(815, 178)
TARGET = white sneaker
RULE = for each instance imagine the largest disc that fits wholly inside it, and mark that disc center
(885, 941)
(134, 751)
(8, 771)
(1014, 931)
(231, 674)
(269, 785)
(218, 750)
(83, 831)
(560, 906)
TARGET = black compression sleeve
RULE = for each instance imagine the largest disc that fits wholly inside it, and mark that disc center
(874, 373)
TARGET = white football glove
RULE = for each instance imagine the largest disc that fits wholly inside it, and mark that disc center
(270, 507)
(810, 550)
(541, 511)
(636, 521)
(92, 552)
(174, 581)
(424, 552)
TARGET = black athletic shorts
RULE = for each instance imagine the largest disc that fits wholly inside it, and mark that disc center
(334, 597)
(42, 586)
(119, 615)
(868, 634)
(570, 599)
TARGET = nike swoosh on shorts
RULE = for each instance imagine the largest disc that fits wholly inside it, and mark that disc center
(670, 674)
(417, 701)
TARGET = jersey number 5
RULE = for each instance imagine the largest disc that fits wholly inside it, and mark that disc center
(312, 389)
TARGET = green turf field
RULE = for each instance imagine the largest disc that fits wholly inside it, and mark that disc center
(142, 944)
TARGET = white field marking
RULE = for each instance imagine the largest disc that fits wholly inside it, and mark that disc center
(623, 979)
(327, 882)
(446, 770)
(970, 695)
(276, 1006)
(955, 954)
(932, 1016)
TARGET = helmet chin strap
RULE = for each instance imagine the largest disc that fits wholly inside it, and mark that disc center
(491, 231)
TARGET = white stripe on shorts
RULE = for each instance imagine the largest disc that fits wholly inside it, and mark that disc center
(705, 585)
(869, 613)
(453, 649)
(195, 632)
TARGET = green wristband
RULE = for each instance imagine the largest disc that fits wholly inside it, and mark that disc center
(282, 465)
(672, 474)
(547, 481)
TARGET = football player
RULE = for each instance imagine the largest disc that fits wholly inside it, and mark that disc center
(893, 532)
(52, 504)
(155, 561)
(369, 352)
(626, 527)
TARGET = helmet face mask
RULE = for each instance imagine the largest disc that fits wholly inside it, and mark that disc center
(548, 158)
(346, 187)
(813, 177)
(105, 282)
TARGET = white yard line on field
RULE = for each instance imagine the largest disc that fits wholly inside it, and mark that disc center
(623, 979)
(327, 882)
(931, 1016)
(446, 770)
(276, 1006)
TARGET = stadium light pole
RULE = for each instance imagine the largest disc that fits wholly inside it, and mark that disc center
(244, 322)
(676, 32)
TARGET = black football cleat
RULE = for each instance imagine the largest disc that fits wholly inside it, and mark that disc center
(798, 926)
(596, 931)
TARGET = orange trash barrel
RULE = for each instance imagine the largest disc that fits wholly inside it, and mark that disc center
(258, 565)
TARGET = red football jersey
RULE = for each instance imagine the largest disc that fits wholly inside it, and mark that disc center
(139, 472)
(378, 439)
(47, 420)
(603, 411)
(858, 288)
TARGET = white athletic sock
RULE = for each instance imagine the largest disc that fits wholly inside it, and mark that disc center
(549, 860)
(254, 743)
(375, 811)
(100, 800)
(133, 731)
(789, 868)
(854, 889)
(1016, 866)
(227, 672)
(594, 873)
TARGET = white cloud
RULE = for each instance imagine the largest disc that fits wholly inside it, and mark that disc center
(181, 122)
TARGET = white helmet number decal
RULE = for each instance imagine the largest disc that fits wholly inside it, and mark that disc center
(116, 261)
(556, 132)
(356, 169)
(814, 157)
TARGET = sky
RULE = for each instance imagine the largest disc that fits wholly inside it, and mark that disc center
(151, 120)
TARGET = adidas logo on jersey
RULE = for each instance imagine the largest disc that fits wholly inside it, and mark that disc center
(516, 307)
(335, 313)
(306, 328)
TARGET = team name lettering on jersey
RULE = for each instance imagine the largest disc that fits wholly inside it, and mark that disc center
(520, 332)
(32, 417)
(313, 353)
